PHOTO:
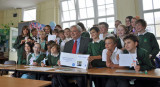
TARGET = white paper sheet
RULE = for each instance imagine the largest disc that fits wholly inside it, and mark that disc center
(39, 68)
(74, 60)
(127, 60)
(51, 37)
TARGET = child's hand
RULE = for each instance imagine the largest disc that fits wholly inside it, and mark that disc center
(109, 53)
(46, 42)
(35, 63)
(123, 49)
(137, 68)
(42, 50)
(90, 59)
(22, 41)
(42, 64)
(59, 63)
(117, 57)
(29, 40)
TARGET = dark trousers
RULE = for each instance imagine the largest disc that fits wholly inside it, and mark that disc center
(115, 82)
(63, 80)
(145, 83)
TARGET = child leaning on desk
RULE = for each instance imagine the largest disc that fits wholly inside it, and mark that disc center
(34, 59)
(110, 55)
(51, 60)
(143, 61)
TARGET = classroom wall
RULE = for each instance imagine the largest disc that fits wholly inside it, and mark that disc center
(48, 11)
(1, 18)
(127, 8)
(8, 17)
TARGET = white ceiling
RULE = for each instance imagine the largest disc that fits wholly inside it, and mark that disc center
(11, 4)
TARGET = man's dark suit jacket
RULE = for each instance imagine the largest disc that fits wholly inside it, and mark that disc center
(83, 46)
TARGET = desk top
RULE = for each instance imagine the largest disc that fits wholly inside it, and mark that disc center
(18, 82)
(50, 69)
(112, 72)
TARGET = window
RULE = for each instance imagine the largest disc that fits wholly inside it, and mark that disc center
(89, 12)
(29, 14)
(151, 13)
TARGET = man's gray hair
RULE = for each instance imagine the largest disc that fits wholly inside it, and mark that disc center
(78, 27)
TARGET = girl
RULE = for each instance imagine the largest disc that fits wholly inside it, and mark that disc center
(48, 31)
(27, 53)
(34, 59)
(84, 32)
(20, 42)
(55, 32)
(62, 39)
(133, 23)
(121, 32)
(128, 23)
(43, 42)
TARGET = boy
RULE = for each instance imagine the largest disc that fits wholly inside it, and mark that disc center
(110, 55)
(62, 40)
(103, 27)
(147, 40)
(143, 61)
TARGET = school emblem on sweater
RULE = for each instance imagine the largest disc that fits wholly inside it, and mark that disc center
(145, 39)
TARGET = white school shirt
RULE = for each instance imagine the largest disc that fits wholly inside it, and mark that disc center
(108, 35)
(113, 57)
(122, 42)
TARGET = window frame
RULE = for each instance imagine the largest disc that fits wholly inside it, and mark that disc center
(28, 8)
(95, 8)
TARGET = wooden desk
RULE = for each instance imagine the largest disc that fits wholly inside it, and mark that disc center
(17, 82)
(111, 72)
(108, 72)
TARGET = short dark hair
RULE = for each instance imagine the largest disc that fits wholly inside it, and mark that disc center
(67, 29)
(112, 38)
(55, 30)
(95, 28)
(104, 23)
(141, 21)
(34, 29)
(82, 26)
(57, 47)
(129, 17)
(50, 42)
(61, 31)
(131, 37)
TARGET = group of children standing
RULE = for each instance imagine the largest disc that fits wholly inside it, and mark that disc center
(104, 49)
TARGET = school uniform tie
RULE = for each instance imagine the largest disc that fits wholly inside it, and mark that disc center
(74, 47)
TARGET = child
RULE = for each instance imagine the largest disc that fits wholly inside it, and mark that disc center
(27, 53)
(128, 23)
(95, 49)
(62, 40)
(133, 23)
(121, 32)
(48, 31)
(110, 55)
(55, 32)
(34, 59)
(143, 61)
(34, 35)
(67, 34)
(147, 40)
(103, 26)
(84, 32)
(53, 57)
(50, 43)
(20, 42)
(42, 41)
(52, 60)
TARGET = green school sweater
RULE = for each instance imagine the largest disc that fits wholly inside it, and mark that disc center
(119, 46)
(20, 48)
(149, 43)
(143, 59)
(85, 34)
(52, 61)
(95, 49)
(38, 60)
